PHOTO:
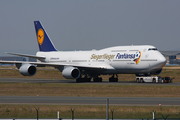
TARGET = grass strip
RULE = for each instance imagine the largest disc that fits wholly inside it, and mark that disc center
(90, 90)
(86, 111)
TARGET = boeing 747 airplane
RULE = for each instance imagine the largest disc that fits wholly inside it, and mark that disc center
(141, 60)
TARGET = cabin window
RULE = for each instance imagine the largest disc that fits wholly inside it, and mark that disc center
(150, 49)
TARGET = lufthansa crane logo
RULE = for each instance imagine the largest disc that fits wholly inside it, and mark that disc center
(40, 36)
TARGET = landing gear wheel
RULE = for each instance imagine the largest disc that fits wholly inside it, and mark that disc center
(79, 80)
(87, 79)
(137, 80)
(112, 79)
(83, 80)
(97, 79)
(115, 79)
(141, 81)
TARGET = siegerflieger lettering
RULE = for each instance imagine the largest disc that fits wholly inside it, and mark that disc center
(105, 56)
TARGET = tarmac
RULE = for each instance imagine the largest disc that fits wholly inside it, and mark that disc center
(27, 80)
(115, 101)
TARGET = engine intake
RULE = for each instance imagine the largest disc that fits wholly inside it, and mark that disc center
(71, 73)
(27, 70)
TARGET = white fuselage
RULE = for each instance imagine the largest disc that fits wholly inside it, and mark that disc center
(115, 60)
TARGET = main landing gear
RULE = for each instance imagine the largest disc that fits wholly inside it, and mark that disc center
(96, 78)
(87, 78)
(113, 79)
(84, 79)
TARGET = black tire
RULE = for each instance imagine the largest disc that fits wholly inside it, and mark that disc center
(100, 80)
(88, 79)
(110, 79)
(96, 80)
(141, 81)
(137, 80)
(116, 79)
(79, 80)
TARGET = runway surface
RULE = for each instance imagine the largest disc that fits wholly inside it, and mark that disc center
(118, 101)
(25, 80)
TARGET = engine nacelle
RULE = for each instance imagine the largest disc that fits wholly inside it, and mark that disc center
(27, 70)
(71, 73)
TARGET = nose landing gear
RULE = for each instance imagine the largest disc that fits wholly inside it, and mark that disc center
(113, 79)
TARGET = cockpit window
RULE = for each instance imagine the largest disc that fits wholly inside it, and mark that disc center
(150, 49)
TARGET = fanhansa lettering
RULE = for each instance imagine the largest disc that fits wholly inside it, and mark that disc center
(125, 56)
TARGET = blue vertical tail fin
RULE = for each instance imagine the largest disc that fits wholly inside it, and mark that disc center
(44, 42)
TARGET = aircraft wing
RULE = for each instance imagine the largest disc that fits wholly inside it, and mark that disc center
(104, 66)
(54, 64)
(25, 55)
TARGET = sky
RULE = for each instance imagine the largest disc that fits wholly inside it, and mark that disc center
(89, 24)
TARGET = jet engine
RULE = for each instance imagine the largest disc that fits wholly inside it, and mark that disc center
(71, 73)
(27, 70)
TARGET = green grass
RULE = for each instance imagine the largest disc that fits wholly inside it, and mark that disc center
(92, 90)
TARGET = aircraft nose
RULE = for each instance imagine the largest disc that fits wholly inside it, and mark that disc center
(162, 60)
